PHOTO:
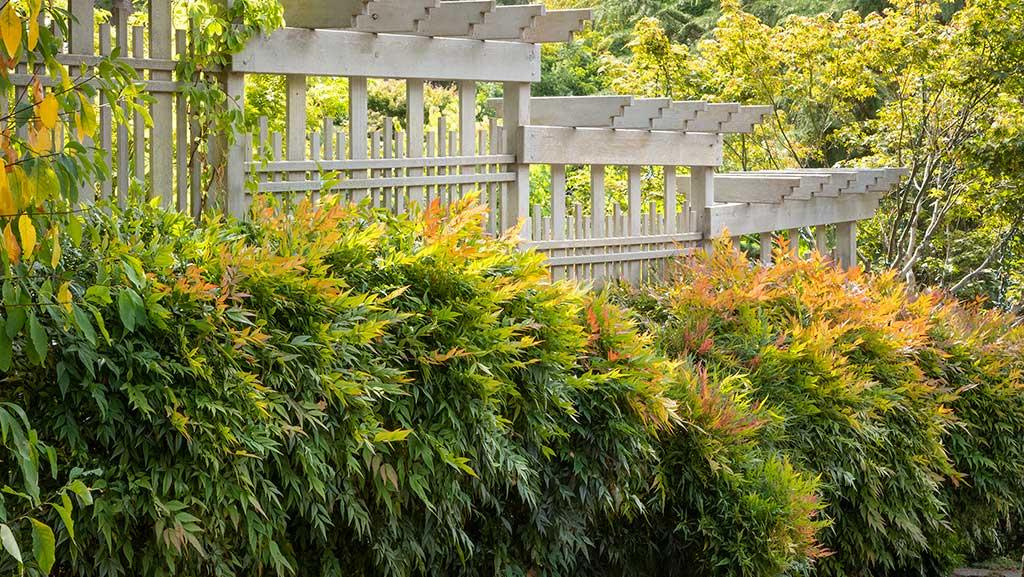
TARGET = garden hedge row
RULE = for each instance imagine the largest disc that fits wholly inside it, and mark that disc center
(910, 409)
(342, 392)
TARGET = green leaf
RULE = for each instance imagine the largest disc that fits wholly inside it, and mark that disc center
(10, 543)
(40, 340)
(43, 546)
(64, 510)
(391, 436)
(6, 351)
(82, 490)
(98, 294)
(130, 307)
(84, 326)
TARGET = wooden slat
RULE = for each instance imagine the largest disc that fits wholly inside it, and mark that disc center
(573, 111)
(415, 121)
(454, 18)
(387, 182)
(139, 122)
(744, 121)
(712, 117)
(641, 113)
(392, 15)
(381, 163)
(678, 114)
(739, 187)
(106, 128)
(506, 22)
(321, 13)
(181, 134)
(316, 53)
(358, 113)
(161, 147)
(556, 145)
(82, 41)
(755, 218)
(557, 25)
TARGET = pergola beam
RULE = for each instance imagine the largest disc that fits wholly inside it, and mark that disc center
(572, 111)
(362, 54)
(393, 15)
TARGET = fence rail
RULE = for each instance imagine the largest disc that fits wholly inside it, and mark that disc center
(587, 235)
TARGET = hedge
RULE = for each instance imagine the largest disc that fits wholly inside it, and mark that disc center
(344, 392)
(910, 408)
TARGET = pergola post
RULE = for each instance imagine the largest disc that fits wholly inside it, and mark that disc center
(702, 198)
(846, 244)
(515, 205)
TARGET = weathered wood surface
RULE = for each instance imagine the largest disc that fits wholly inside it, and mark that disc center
(556, 145)
(316, 53)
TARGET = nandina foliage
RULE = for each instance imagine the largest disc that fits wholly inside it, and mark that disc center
(343, 392)
(909, 408)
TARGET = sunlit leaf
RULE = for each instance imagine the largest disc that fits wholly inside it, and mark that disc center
(43, 546)
(10, 28)
(27, 230)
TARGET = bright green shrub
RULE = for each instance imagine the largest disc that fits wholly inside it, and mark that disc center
(870, 398)
(980, 356)
(342, 392)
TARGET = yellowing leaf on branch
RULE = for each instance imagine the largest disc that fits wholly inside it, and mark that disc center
(27, 230)
(85, 121)
(10, 28)
(6, 198)
(55, 250)
(64, 296)
(48, 111)
(11, 245)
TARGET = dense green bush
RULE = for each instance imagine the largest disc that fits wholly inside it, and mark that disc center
(910, 410)
(342, 392)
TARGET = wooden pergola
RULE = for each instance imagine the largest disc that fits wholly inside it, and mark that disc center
(410, 161)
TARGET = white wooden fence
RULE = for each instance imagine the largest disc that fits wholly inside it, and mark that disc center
(464, 43)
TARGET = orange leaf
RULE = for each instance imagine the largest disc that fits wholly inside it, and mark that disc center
(11, 244)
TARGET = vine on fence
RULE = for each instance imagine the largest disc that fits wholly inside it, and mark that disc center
(225, 31)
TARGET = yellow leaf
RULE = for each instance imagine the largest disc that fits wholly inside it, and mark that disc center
(64, 296)
(33, 34)
(11, 244)
(6, 198)
(28, 235)
(10, 28)
(85, 122)
(56, 251)
(48, 111)
(34, 6)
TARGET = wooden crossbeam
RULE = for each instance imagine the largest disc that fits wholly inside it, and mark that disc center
(322, 13)
(455, 18)
(506, 22)
(808, 185)
(362, 54)
(571, 111)
(557, 25)
(605, 146)
(641, 113)
(740, 219)
(744, 121)
(816, 183)
(748, 187)
(711, 118)
(678, 114)
(393, 15)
